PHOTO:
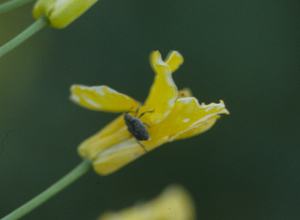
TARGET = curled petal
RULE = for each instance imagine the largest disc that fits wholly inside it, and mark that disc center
(187, 114)
(163, 92)
(61, 13)
(174, 60)
(102, 98)
(197, 129)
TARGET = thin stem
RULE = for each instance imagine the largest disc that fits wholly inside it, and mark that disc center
(32, 29)
(10, 5)
(77, 172)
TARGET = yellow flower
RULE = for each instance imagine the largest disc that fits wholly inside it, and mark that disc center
(173, 204)
(61, 13)
(175, 116)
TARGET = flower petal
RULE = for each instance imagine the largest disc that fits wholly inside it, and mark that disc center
(163, 92)
(102, 98)
(117, 156)
(197, 129)
(123, 153)
(174, 60)
(187, 114)
(97, 144)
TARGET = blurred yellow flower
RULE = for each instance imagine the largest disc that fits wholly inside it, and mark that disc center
(173, 204)
(61, 13)
(175, 116)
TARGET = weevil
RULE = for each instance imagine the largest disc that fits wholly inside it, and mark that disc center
(136, 127)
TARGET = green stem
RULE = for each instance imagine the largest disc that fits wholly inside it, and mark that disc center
(77, 172)
(32, 29)
(10, 5)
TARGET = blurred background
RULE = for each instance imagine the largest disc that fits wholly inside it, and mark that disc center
(243, 52)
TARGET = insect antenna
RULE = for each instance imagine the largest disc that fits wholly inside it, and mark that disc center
(130, 111)
(136, 111)
(145, 112)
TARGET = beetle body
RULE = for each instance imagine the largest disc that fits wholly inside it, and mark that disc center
(136, 127)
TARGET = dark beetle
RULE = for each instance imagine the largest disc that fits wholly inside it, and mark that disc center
(136, 127)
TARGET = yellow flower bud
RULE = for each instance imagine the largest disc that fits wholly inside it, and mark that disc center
(61, 13)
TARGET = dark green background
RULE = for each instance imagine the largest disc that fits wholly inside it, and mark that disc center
(244, 52)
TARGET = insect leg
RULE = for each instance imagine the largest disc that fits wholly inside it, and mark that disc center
(145, 112)
(142, 146)
(136, 111)
(146, 124)
(130, 111)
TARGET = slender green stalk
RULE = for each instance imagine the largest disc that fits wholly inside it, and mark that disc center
(32, 29)
(77, 172)
(10, 5)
